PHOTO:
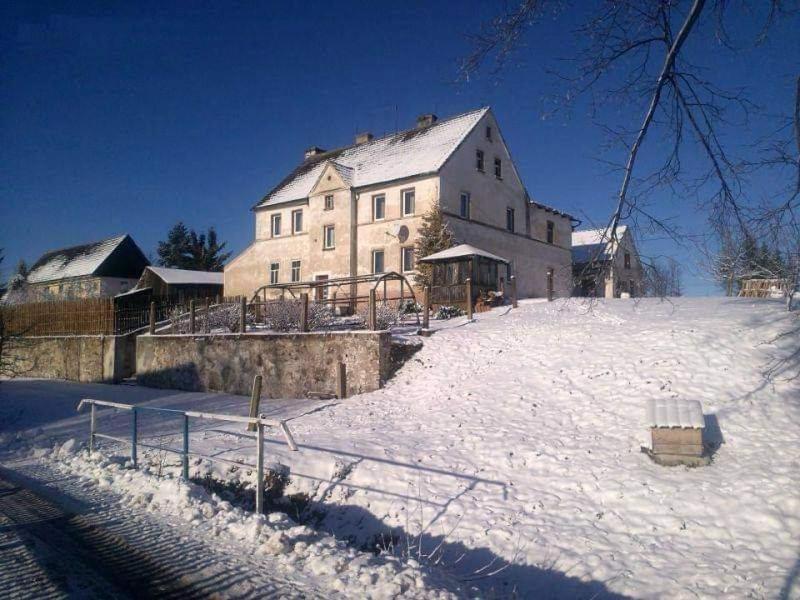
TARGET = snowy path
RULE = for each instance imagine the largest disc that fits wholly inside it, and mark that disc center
(69, 540)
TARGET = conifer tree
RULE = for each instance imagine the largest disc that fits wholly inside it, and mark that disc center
(434, 236)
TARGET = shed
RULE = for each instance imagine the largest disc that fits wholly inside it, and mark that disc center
(180, 283)
(676, 428)
(452, 267)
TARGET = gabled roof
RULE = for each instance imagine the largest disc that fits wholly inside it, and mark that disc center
(406, 154)
(83, 260)
(593, 244)
(187, 277)
(461, 251)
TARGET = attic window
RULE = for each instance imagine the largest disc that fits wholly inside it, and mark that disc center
(551, 232)
(479, 160)
(276, 225)
(489, 133)
(627, 260)
(378, 207)
(498, 168)
(329, 202)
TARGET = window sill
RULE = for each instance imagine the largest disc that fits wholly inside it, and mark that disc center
(329, 248)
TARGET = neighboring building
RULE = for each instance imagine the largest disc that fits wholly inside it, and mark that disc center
(605, 269)
(179, 283)
(357, 210)
(96, 270)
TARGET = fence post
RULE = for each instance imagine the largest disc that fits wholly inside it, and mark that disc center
(303, 312)
(134, 437)
(243, 315)
(468, 284)
(152, 330)
(185, 457)
(207, 327)
(255, 401)
(513, 282)
(92, 428)
(372, 315)
(260, 469)
(191, 316)
(341, 380)
(426, 307)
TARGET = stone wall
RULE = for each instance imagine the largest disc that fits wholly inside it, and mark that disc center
(87, 358)
(292, 364)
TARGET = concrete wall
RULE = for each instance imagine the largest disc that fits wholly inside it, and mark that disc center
(292, 364)
(87, 358)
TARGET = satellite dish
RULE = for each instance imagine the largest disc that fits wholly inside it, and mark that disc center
(399, 231)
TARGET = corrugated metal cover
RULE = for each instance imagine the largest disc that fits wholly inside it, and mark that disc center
(671, 412)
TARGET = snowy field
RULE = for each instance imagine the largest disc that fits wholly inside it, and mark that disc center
(505, 457)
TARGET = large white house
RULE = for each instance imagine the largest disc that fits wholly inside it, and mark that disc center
(357, 210)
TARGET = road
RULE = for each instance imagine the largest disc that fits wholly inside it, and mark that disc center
(57, 542)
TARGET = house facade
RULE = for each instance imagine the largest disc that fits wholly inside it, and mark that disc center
(96, 270)
(358, 210)
(606, 269)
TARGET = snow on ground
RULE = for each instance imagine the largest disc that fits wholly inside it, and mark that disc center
(507, 451)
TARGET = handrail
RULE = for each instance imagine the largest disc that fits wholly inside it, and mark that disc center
(261, 422)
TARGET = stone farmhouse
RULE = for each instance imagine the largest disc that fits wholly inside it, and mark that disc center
(605, 269)
(95, 270)
(357, 210)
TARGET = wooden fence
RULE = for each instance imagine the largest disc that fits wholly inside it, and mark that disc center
(91, 316)
(88, 316)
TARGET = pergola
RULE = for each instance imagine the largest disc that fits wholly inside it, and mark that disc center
(327, 288)
(452, 267)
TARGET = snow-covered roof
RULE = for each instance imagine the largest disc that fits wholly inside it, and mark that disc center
(186, 277)
(461, 251)
(408, 153)
(672, 412)
(593, 244)
(77, 261)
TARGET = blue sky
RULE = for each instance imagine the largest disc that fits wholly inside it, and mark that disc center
(128, 118)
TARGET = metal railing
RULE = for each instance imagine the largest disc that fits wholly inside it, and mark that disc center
(134, 442)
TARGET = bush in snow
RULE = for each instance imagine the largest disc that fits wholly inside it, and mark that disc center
(409, 307)
(223, 318)
(448, 312)
(284, 315)
(386, 315)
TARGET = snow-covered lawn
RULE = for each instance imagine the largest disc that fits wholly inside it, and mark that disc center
(508, 451)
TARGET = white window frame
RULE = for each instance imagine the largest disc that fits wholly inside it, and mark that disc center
(405, 268)
(296, 266)
(375, 198)
(403, 194)
(382, 252)
(273, 220)
(468, 196)
(295, 214)
(325, 230)
(274, 274)
(325, 206)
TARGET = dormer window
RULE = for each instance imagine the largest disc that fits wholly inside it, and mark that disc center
(479, 160)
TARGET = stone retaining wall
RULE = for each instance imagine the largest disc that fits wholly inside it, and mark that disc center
(292, 364)
(87, 358)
